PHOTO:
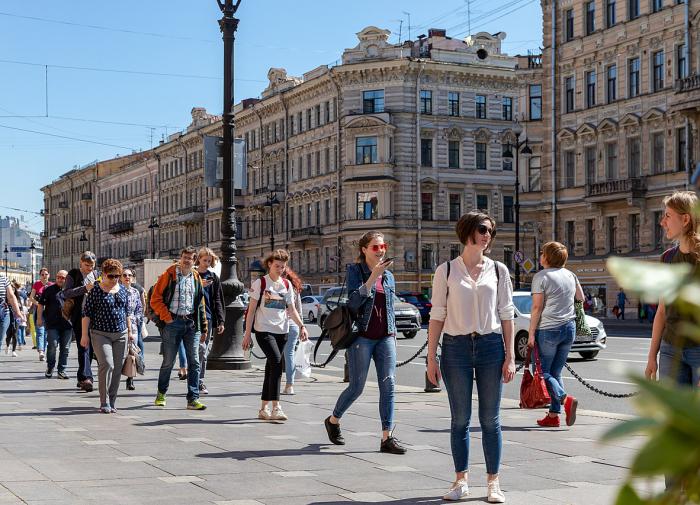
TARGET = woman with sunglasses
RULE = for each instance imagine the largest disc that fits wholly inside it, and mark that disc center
(371, 298)
(473, 310)
(106, 316)
(135, 313)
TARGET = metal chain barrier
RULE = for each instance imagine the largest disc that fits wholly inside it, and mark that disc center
(595, 389)
(406, 362)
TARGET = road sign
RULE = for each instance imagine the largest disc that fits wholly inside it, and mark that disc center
(528, 265)
(519, 257)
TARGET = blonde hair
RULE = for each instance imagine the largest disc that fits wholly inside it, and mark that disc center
(555, 254)
(205, 251)
(685, 202)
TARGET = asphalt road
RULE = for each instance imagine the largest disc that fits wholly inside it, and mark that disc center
(626, 352)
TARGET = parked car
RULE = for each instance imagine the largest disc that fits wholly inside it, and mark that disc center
(310, 306)
(419, 300)
(408, 320)
(587, 346)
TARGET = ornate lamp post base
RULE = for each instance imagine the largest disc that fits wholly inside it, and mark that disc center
(226, 351)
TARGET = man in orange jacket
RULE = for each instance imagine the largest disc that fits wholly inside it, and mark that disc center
(178, 301)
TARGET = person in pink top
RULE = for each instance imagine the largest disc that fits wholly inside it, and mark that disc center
(37, 289)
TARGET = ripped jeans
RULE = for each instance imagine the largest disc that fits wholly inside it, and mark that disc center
(360, 353)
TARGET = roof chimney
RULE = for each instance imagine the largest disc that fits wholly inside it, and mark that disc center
(437, 33)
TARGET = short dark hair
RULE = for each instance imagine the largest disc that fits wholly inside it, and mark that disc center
(188, 250)
(43, 269)
(469, 223)
(88, 257)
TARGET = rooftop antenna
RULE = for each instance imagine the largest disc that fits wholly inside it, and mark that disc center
(400, 27)
(409, 23)
(469, 16)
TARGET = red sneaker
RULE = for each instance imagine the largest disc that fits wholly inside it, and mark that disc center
(549, 422)
(570, 405)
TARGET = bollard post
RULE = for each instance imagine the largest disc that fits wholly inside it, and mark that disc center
(429, 386)
(346, 370)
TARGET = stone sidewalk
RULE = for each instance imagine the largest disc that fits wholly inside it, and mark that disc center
(55, 448)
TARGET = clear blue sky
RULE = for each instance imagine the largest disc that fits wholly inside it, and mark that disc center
(177, 37)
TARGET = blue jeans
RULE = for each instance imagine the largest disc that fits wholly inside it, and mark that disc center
(360, 353)
(5, 315)
(292, 338)
(683, 365)
(182, 355)
(173, 334)
(61, 339)
(40, 336)
(554, 345)
(462, 357)
(21, 334)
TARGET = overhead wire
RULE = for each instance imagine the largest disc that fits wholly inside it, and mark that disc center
(63, 137)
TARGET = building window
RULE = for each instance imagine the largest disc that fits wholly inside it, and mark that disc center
(610, 13)
(570, 232)
(426, 102)
(507, 108)
(589, 155)
(658, 230)
(535, 102)
(632, 9)
(508, 209)
(308, 119)
(480, 107)
(455, 206)
(634, 232)
(634, 157)
(612, 232)
(569, 24)
(373, 101)
(365, 150)
(569, 94)
(534, 182)
(611, 161)
(426, 152)
(656, 5)
(453, 153)
(590, 236)
(611, 89)
(590, 89)
(507, 162)
(367, 205)
(482, 203)
(658, 70)
(657, 152)
(680, 149)
(633, 77)
(681, 68)
(426, 207)
(590, 17)
(454, 251)
(426, 261)
(569, 169)
(480, 155)
(453, 103)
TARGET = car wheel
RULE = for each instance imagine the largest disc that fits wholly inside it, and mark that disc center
(410, 334)
(312, 319)
(521, 346)
(588, 354)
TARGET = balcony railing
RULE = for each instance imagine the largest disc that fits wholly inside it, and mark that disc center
(86, 196)
(690, 83)
(276, 188)
(121, 227)
(191, 214)
(138, 255)
(635, 188)
(307, 232)
(86, 222)
(534, 61)
(62, 205)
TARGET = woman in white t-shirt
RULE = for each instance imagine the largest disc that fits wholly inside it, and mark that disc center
(271, 306)
(553, 326)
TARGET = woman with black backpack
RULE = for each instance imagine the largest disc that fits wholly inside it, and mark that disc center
(371, 294)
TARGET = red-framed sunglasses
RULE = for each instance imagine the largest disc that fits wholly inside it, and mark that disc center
(379, 247)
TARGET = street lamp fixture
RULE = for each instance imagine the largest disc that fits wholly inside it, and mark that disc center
(83, 240)
(272, 203)
(6, 253)
(32, 252)
(153, 227)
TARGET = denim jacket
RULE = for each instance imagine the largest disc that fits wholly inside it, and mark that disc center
(360, 300)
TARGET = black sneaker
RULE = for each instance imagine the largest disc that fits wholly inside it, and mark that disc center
(48, 373)
(203, 389)
(333, 431)
(87, 386)
(62, 375)
(392, 446)
(130, 384)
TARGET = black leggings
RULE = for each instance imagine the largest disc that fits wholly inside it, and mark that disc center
(272, 344)
(11, 336)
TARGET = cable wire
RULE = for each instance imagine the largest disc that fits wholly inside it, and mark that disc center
(63, 137)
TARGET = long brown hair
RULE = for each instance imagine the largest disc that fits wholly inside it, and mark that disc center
(364, 242)
(293, 277)
(685, 202)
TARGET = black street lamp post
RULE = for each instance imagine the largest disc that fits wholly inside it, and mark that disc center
(153, 226)
(272, 203)
(83, 242)
(6, 259)
(227, 350)
(527, 153)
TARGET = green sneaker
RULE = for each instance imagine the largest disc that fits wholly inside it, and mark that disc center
(195, 405)
(160, 400)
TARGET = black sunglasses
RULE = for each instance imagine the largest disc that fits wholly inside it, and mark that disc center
(483, 229)
(113, 276)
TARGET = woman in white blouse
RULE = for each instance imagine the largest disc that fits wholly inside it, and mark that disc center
(473, 309)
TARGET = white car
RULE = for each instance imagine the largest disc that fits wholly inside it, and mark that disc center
(310, 306)
(587, 347)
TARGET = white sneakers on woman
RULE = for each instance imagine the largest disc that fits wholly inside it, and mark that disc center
(277, 414)
(495, 495)
(459, 490)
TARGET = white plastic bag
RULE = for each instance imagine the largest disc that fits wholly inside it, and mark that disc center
(302, 359)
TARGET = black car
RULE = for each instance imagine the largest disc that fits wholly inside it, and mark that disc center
(419, 300)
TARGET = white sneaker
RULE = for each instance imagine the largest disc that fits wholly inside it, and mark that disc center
(288, 390)
(495, 495)
(7, 350)
(264, 414)
(278, 414)
(459, 490)
(14, 354)
(41, 356)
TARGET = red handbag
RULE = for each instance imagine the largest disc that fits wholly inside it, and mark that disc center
(533, 389)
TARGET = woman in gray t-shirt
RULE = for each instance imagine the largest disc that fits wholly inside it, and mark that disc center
(553, 326)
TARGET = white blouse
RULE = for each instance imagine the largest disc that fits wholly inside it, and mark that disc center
(473, 305)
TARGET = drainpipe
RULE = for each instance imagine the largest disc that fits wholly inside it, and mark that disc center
(419, 209)
(686, 42)
(553, 134)
(338, 188)
(285, 132)
(260, 166)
